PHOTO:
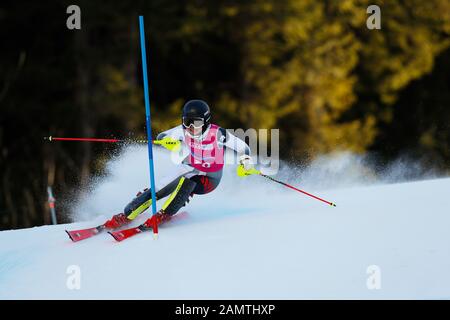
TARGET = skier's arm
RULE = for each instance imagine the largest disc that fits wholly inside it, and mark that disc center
(170, 139)
(175, 133)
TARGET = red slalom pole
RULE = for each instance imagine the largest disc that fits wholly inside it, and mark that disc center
(294, 188)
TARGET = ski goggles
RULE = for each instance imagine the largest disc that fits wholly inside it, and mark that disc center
(196, 123)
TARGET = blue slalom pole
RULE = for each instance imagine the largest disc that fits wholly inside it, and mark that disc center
(147, 113)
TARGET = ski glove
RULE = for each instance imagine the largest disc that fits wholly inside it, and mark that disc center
(168, 143)
(245, 167)
(246, 161)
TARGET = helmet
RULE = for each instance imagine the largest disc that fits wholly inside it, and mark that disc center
(196, 116)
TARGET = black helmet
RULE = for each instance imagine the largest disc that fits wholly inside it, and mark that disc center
(196, 115)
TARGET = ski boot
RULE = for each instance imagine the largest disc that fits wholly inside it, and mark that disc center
(155, 220)
(117, 221)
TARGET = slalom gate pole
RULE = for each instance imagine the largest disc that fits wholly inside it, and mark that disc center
(148, 120)
(51, 205)
(296, 189)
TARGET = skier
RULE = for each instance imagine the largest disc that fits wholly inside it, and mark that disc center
(201, 170)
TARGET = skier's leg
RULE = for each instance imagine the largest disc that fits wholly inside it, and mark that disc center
(144, 200)
(179, 197)
(139, 204)
(189, 184)
(179, 189)
(207, 182)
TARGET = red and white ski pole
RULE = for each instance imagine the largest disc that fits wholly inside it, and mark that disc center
(167, 142)
(296, 189)
(50, 138)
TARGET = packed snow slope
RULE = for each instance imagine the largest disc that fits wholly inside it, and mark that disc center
(250, 239)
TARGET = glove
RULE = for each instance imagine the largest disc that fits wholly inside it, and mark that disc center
(168, 143)
(246, 162)
(245, 167)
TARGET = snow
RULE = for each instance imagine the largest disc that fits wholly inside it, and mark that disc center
(250, 239)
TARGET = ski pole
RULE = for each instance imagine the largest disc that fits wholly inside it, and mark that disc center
(50, 138)
(167, 142)
(243, 173)
(296, 189)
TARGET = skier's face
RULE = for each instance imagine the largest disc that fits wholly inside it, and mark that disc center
(193, 126)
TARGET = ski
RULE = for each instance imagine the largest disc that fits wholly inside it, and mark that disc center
(78, 235)
(127, 233)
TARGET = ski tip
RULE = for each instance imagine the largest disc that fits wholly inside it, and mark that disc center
(70, 236)
(116, 237)
(112, 235)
